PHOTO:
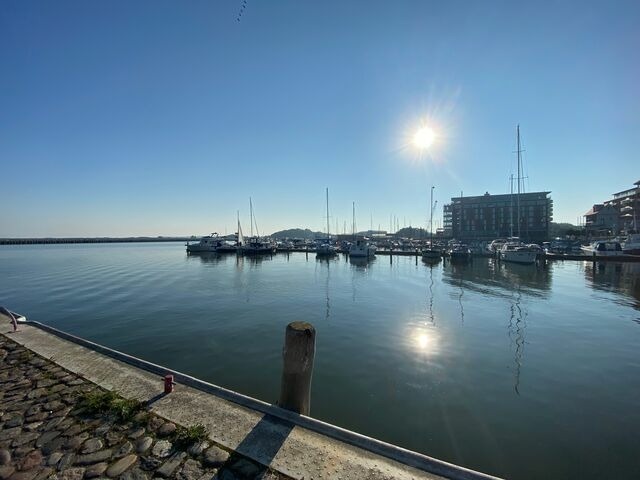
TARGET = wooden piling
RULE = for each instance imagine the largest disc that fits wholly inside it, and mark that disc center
(297, 355)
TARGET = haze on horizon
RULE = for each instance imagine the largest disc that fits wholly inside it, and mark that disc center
(163, 118)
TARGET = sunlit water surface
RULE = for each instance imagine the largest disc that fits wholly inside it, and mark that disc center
(516, 371)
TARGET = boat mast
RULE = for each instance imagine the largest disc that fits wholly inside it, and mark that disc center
(511, 207)
(353, 221)
(518, 197)
(328, 236)
(251, 215)
(431, 220)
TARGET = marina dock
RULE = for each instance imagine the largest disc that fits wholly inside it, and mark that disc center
(281, 443)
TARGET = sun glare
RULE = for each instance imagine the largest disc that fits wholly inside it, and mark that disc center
(424, 138)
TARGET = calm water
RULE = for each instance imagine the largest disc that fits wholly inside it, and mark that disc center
(517, 371)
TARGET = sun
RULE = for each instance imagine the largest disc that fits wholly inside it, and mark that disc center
(424, 138)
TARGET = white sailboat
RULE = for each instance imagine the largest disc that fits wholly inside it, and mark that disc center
(361, 248)
(255, 245)
(431, 254)
(326, 249)
(514, 250)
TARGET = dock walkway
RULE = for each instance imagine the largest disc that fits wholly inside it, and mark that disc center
(281, 443)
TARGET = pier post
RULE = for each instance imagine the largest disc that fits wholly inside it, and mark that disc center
(297, 355)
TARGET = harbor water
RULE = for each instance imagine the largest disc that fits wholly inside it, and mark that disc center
(518, 371)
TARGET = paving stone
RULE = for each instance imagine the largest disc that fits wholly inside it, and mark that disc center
(21, 452)
(190, 470)
(150, 463)
(57, 388)
(32, 460)
(95, 457)
(54, 458)
(6, 471)
(95, 470)
(74, 430)
(112, 438)
(5, 457)
(197, 448)
(47, 437)
(167, 429)
(24, 439)
(162, 448)
(75, 442)
(92, 445)
(143, 444)
(37, 393)
(134, 474)
(14, 421)
(155, 423)
(26, 475)
(44, 473)
(31, 427)
(10, 433)
(121, 465)
(215, 456)
(168, 467)
(52, 424)
(53, 445)
(125, 449)
(66, 461)
(136, 433)
(71, 474)
(103, 428)
(37, 417)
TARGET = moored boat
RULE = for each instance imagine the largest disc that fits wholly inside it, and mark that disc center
(517, 252)
(209, 243)
(603, 248)
(459, 253)
(632, 245)
(362, 248)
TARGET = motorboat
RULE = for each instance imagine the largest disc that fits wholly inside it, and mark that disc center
(632, 245)
(517, 252)
(496, 245)
(209, 243)
(326, 249)
(459, 253)
(603, 248)
(362, 248)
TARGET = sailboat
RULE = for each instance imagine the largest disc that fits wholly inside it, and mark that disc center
(255, 245)
(325, 249)
(431, 254)
(514, 250)
(361, 246)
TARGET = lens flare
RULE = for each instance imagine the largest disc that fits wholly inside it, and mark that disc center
(424, 138)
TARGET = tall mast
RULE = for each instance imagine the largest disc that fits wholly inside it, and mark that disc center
(251, 215)
(511, 207)
(431, 220)
(353, 221)
(328, 236)
(518, 197)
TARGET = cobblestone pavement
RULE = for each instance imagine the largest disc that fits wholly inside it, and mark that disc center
(47, 433)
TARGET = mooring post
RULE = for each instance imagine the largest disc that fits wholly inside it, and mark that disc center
(297, 355)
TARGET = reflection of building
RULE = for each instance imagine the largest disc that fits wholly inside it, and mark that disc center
(621, 213)
(491, 216)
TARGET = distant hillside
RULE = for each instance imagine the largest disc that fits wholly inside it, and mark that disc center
(297, 233)
(410, 232)
(564, 229)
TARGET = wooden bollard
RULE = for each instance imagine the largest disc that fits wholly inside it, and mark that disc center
(297, 355)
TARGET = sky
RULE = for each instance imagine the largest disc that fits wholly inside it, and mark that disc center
(162, 118)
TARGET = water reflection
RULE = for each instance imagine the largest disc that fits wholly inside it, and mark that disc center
(615, 277)
(496, 279)
(325, 262)
(432, 317)
(516, 330)
(206, 257)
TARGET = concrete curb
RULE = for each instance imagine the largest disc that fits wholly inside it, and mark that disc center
(393, 452)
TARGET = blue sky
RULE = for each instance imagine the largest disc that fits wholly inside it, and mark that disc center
(158, 118)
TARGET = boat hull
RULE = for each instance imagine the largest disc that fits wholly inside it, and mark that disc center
(522, 257)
